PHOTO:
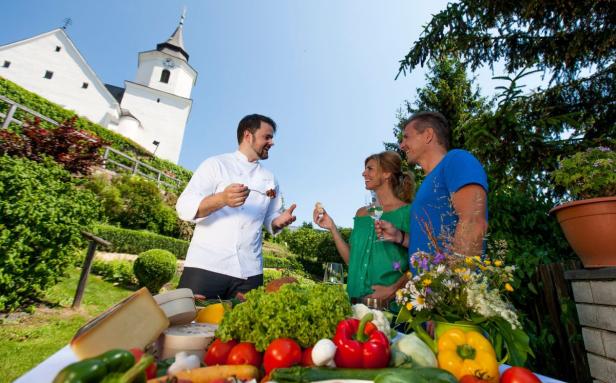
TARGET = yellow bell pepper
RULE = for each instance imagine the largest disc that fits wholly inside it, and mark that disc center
(467, 353)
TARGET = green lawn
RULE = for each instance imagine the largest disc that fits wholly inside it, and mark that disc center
(29, 340)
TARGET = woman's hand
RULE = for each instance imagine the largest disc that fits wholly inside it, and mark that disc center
(323, 219)
(386, 231)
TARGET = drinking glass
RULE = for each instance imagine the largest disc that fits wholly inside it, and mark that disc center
(334, 273)
(375, 209)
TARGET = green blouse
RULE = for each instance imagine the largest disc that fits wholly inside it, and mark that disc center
(371, 261)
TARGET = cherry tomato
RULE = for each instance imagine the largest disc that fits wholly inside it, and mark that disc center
(218, 352)
(519, 375)
(244, 353)
(282, 353)
(150, 371)
(472, 379)
(307, 358)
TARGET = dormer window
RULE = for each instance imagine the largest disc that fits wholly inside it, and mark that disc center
(48, 75)
(164, 76)
(58, 48)
(6, 64)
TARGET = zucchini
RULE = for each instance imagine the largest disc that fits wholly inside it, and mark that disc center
(382, 375)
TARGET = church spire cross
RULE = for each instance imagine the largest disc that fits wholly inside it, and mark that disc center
(175, 44)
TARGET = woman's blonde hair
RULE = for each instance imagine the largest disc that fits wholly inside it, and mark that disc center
(402, 183)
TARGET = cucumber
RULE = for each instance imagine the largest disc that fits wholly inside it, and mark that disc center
(384, 375)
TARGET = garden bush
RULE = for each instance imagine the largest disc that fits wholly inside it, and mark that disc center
(41, 215)
(313, 247)
(138, 241)
(78, 151)
(154, 268)
(135, 203)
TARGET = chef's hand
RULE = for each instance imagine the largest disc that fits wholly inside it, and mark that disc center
(284, 219)
(235, 195)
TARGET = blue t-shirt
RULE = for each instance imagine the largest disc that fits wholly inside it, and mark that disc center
(432, 211)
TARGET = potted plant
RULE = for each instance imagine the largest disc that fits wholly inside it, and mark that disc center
(589, 222)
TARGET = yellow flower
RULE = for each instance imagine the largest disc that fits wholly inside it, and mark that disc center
(399, 293)
(477, 258)
(409, 274)
(468, 260)
(508, 287)
(427, 282)
(466, 277)
(482, 268)
(409, 306)
(498, 263)
(488, 262)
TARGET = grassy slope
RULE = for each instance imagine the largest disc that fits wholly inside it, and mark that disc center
(32, 338)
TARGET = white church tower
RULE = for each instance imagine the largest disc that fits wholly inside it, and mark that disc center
(155, 107)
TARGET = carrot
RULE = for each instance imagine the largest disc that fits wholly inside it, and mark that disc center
(208, 374)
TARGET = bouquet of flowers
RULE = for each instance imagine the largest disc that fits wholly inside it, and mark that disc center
(453, 288)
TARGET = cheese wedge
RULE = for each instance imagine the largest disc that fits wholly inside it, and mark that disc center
(136, 321)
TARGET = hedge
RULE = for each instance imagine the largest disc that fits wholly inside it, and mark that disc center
(138, 241)
(59, 114)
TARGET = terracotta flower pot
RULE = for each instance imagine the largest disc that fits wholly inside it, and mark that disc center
(590, 228)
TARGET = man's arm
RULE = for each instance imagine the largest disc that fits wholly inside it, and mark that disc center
(234, 195)
(470, 204)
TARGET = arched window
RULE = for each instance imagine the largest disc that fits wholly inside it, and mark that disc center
(164, 77)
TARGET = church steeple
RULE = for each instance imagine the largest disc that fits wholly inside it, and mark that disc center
(174, 46)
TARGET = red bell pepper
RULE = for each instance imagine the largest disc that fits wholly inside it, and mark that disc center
(360, 344)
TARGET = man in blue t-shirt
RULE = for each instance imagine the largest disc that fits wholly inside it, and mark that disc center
(450, 207)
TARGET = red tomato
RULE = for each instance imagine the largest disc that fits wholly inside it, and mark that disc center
(150, 371)
(519, 375)
(244, 353)
(282, 353)
(472, 379)
(307, 358)
(218, 352)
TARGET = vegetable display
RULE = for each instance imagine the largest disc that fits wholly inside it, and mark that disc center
(467, 353)
(218, 352)
(519, 375)
(304, 313)
(361, 344)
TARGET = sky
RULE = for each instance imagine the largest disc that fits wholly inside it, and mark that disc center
(324, 70)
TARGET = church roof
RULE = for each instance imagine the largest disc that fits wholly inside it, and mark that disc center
(115, 91)
(174, 46)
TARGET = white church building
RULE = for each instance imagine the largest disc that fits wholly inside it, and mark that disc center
(152, 110)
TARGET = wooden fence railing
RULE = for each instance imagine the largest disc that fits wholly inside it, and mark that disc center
(113, 159)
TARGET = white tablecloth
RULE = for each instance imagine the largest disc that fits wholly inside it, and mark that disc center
(49, 368)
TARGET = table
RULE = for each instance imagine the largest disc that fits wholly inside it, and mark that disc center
(47, 370)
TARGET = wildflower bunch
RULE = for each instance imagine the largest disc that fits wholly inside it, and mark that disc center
(451, 287)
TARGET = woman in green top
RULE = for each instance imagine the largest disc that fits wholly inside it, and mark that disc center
(376, 268)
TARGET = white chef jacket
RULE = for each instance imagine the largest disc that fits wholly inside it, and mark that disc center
(228, 241)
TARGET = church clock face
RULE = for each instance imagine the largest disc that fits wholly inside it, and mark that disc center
(169, 64)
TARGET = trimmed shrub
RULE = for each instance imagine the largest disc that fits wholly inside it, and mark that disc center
(138, 241)
(154, 268)
(41, 215)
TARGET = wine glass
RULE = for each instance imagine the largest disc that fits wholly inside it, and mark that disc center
(375, 210)
(334, 273)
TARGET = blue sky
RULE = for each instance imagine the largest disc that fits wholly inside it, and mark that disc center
(322, 69)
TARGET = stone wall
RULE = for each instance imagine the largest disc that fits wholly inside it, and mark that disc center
(594, 291)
